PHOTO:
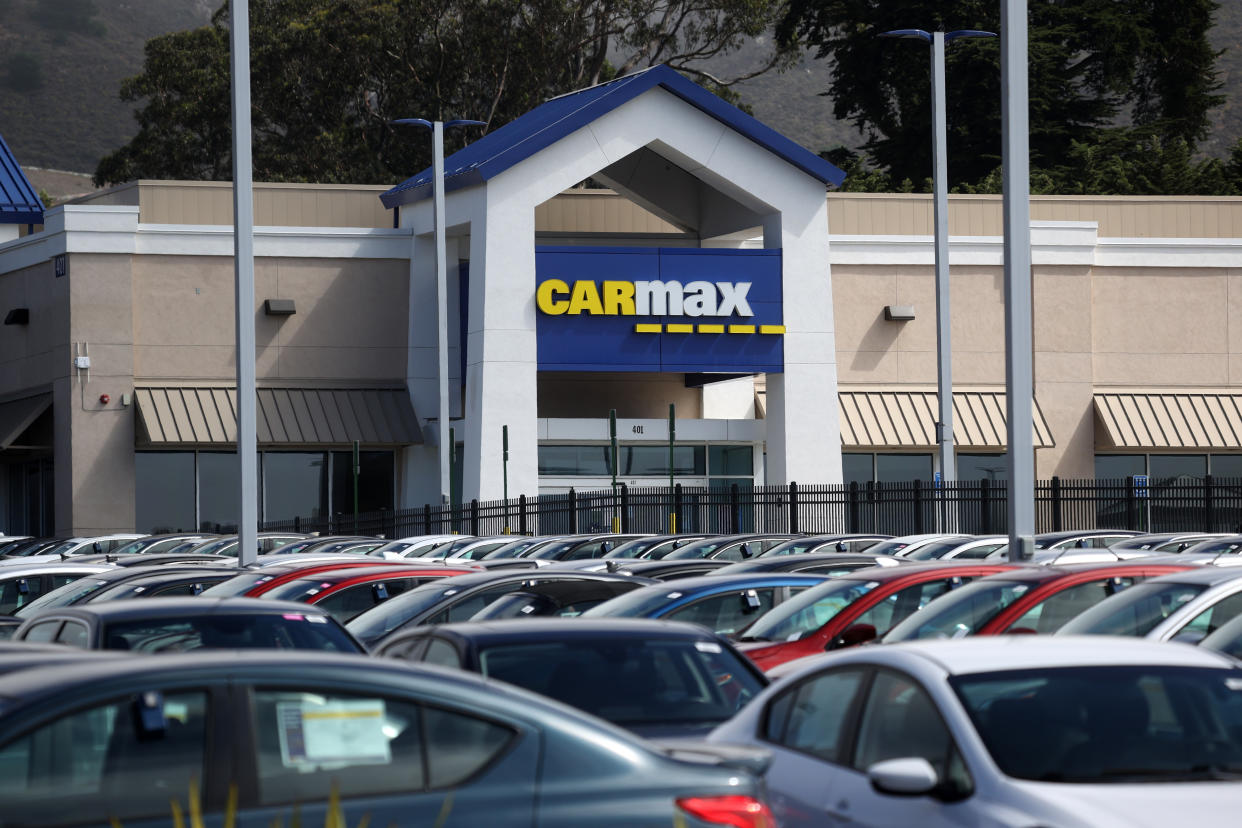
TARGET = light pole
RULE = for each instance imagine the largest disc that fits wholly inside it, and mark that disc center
(437, 173)
(940, 217)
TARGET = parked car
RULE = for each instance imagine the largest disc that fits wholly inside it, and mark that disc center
(169, 625)
(30, 546)
(652, 546)
(1026, 600)
(20, 584)
(413, 545)
(153, 544)
(518, 546)
(1082, 539)
(254, 581)
(728, 547)
(480, 548)
(8, 542)
(347, 592)
(562, 599)
(907, 543)
(656, 678)
(1185, 606)
(969, 548)
(1165, 543)
(68, 548)
(823, 543)
(661, 570)
(578, 547)
(725, 604)
(313, 542)
(459, 598)
(812, 563)
(268, 542)
(98, 585)
(1005, 732)
(1227, 545)
(395, 744)
(852, 609)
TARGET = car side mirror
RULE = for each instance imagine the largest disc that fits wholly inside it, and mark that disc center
(853, 636)
(380, 591)
(841, 546)
(913, 776)
(745, 550)
(1081, 543)
(23, 587)
(750, 601)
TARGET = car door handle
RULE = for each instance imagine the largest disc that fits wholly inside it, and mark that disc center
(840, 811)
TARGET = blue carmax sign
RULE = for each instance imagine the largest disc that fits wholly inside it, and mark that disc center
(675, 310)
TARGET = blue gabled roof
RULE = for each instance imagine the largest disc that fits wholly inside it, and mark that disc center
(553, 120)
(19, 203)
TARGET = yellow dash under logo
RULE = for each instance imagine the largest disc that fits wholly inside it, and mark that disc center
(741, 329)
(771, 329)
(645, 328)
(680, 328)
(711, 329)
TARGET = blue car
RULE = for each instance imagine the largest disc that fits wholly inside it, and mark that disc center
(725, 604)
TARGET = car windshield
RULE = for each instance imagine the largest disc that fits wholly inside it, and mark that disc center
(222, 546)
(1136, 612)
(134, 547)
(1109, 725)
(70, 593)
(635, 548)
(287, 631)
(372, 625)
(936, 549)
(888, 547)
(553, 549)
(517, 549)
(631, 682)
(639, 603)
(794, 547)
(807, 611)
(698, 549)
(239, 584)
(1228, 546)
(960, 612)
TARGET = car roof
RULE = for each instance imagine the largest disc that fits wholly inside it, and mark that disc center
(999, 653)
(380, 570)
(568, 629)
(51, 568)
(1084, 533)
(889, 573)
(1052, 572)
(708, 583)
(777, 562)
(1209, 575)
(460, 582)
(144, 608)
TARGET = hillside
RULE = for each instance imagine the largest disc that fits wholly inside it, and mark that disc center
(62, 63)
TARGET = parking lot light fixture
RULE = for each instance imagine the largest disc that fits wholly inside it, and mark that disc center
(940, 209)
(437, 166)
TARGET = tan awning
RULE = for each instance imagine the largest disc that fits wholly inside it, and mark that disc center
(904, 418)
(17, 415)
(1169, 420)
(303, 416)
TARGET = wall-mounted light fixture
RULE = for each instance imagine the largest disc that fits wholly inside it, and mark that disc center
(279, 307)
(899, 313)
(17, 316)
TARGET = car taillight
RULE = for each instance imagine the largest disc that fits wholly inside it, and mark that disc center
(736, 811)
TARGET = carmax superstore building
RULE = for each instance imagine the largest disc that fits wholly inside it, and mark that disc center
(792, 326)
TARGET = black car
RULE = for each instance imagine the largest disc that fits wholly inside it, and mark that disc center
(666, 570)
(818, 563)
(563, 599)
(130, 582)
(728, 547)
(166, 625)
(460, 597)
(655, 546)
(824, 543)
(132, 741)
(578, 547)
(657, 678)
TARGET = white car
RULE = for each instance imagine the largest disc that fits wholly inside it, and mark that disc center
(1184, 606)
(411, 547)
(905, 544)
(72, 547)
(1004, 732)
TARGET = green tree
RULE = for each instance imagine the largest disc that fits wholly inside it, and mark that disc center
(329, 75)
(1092, 63)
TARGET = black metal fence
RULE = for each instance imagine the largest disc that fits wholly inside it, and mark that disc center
(969, 507)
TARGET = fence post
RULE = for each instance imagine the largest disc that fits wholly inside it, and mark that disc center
(1131, 504)
(521, 514)
(735, 508)
(625, 508)
(852, 514)
(1209, 504)
(793, 508)
(474, 516)
(297, 525)
(985, 507)
(1056, 504)
(426, 518)
(918, 507)
(573, 512)
(676, 528)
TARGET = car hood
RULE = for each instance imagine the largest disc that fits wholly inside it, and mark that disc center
(1136, 805)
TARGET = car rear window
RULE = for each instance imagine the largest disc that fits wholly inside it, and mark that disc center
(630, 682)
(287, 631)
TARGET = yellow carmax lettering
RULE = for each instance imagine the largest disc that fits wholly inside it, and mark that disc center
(619, 298)
(585, 298)
(546, 297)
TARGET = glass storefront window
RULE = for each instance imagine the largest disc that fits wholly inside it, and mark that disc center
(1119, 466)
(653, 460)
(561, 461)
(218, 501)
(1226, 465)
(991, 467)
(902, 468)
(164, 491)
(1166, 468)
(376, 481)
(295, 484)
(732, 460)
(857, 468)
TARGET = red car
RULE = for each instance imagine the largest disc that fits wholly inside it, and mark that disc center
(251, 583)
(853, 609)
(347, 592)
(1029, 600)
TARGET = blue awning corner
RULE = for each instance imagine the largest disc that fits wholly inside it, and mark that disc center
(19, 203)
(558, 117)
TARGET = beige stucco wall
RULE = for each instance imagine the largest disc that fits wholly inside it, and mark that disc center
(349, 328)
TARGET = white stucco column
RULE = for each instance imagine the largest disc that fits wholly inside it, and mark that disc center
(803, 416)
(501, 356)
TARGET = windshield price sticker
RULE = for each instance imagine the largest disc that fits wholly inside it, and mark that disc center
(335, 733)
